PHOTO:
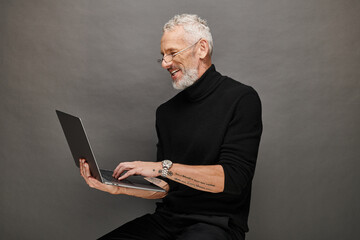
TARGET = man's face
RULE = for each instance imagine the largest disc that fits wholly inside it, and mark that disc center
(184, 66)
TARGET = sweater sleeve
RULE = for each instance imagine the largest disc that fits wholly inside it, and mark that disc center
(159, 146)
(239, 150)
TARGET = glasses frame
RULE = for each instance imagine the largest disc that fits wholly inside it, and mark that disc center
(160, 60)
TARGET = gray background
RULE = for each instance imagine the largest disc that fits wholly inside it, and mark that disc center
(97, 59)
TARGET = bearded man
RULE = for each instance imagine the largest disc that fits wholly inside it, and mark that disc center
(208, 140)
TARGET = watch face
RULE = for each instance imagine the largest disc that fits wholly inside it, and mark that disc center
(167, 163)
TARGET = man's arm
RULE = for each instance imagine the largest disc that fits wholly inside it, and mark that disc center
(94, 183)
(209, 178)
(237, 157)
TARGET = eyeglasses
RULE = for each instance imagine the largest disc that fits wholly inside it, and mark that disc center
(169, 58)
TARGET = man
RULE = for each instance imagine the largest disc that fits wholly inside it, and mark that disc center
(208, 139)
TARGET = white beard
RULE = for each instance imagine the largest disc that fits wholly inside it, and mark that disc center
(188, 79)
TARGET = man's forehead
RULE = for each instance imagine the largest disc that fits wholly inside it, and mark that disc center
(173, 39)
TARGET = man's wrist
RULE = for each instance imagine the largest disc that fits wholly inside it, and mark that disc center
(159, 169)
(118, 190)
(166, 165)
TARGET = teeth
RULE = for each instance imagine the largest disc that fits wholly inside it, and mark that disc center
(175, 71)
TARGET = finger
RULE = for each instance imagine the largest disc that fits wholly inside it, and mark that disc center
(116, 170)
(122, 167)
(81, 167)
(87, 170)
(127, 174)
(87, 175)
(84, 168)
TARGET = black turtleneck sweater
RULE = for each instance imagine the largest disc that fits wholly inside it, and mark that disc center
(217, 120)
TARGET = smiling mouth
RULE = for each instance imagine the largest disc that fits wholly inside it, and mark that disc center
(175, 71)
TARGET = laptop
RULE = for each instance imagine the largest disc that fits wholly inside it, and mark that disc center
(80, 148)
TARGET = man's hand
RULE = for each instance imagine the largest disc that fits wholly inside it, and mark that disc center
(146, 169)
(94, 183)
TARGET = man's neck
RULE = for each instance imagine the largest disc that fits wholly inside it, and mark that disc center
(203, 67)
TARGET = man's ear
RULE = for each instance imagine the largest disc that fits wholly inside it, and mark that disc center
(203, 48)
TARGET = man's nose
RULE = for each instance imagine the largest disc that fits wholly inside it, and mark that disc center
(166, 65)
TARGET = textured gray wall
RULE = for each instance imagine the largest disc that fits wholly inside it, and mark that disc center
(96, 59)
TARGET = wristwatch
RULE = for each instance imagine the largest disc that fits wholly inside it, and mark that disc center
(166, 165)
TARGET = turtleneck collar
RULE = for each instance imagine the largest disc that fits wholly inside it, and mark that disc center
(204, 85)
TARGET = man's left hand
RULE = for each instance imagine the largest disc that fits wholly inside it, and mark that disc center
(146, 169)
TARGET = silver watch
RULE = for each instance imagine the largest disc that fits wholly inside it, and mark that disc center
(166, 165)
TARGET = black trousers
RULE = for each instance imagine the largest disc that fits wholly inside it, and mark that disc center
(159, 226)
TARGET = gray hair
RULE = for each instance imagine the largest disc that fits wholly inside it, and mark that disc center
(194, 26)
